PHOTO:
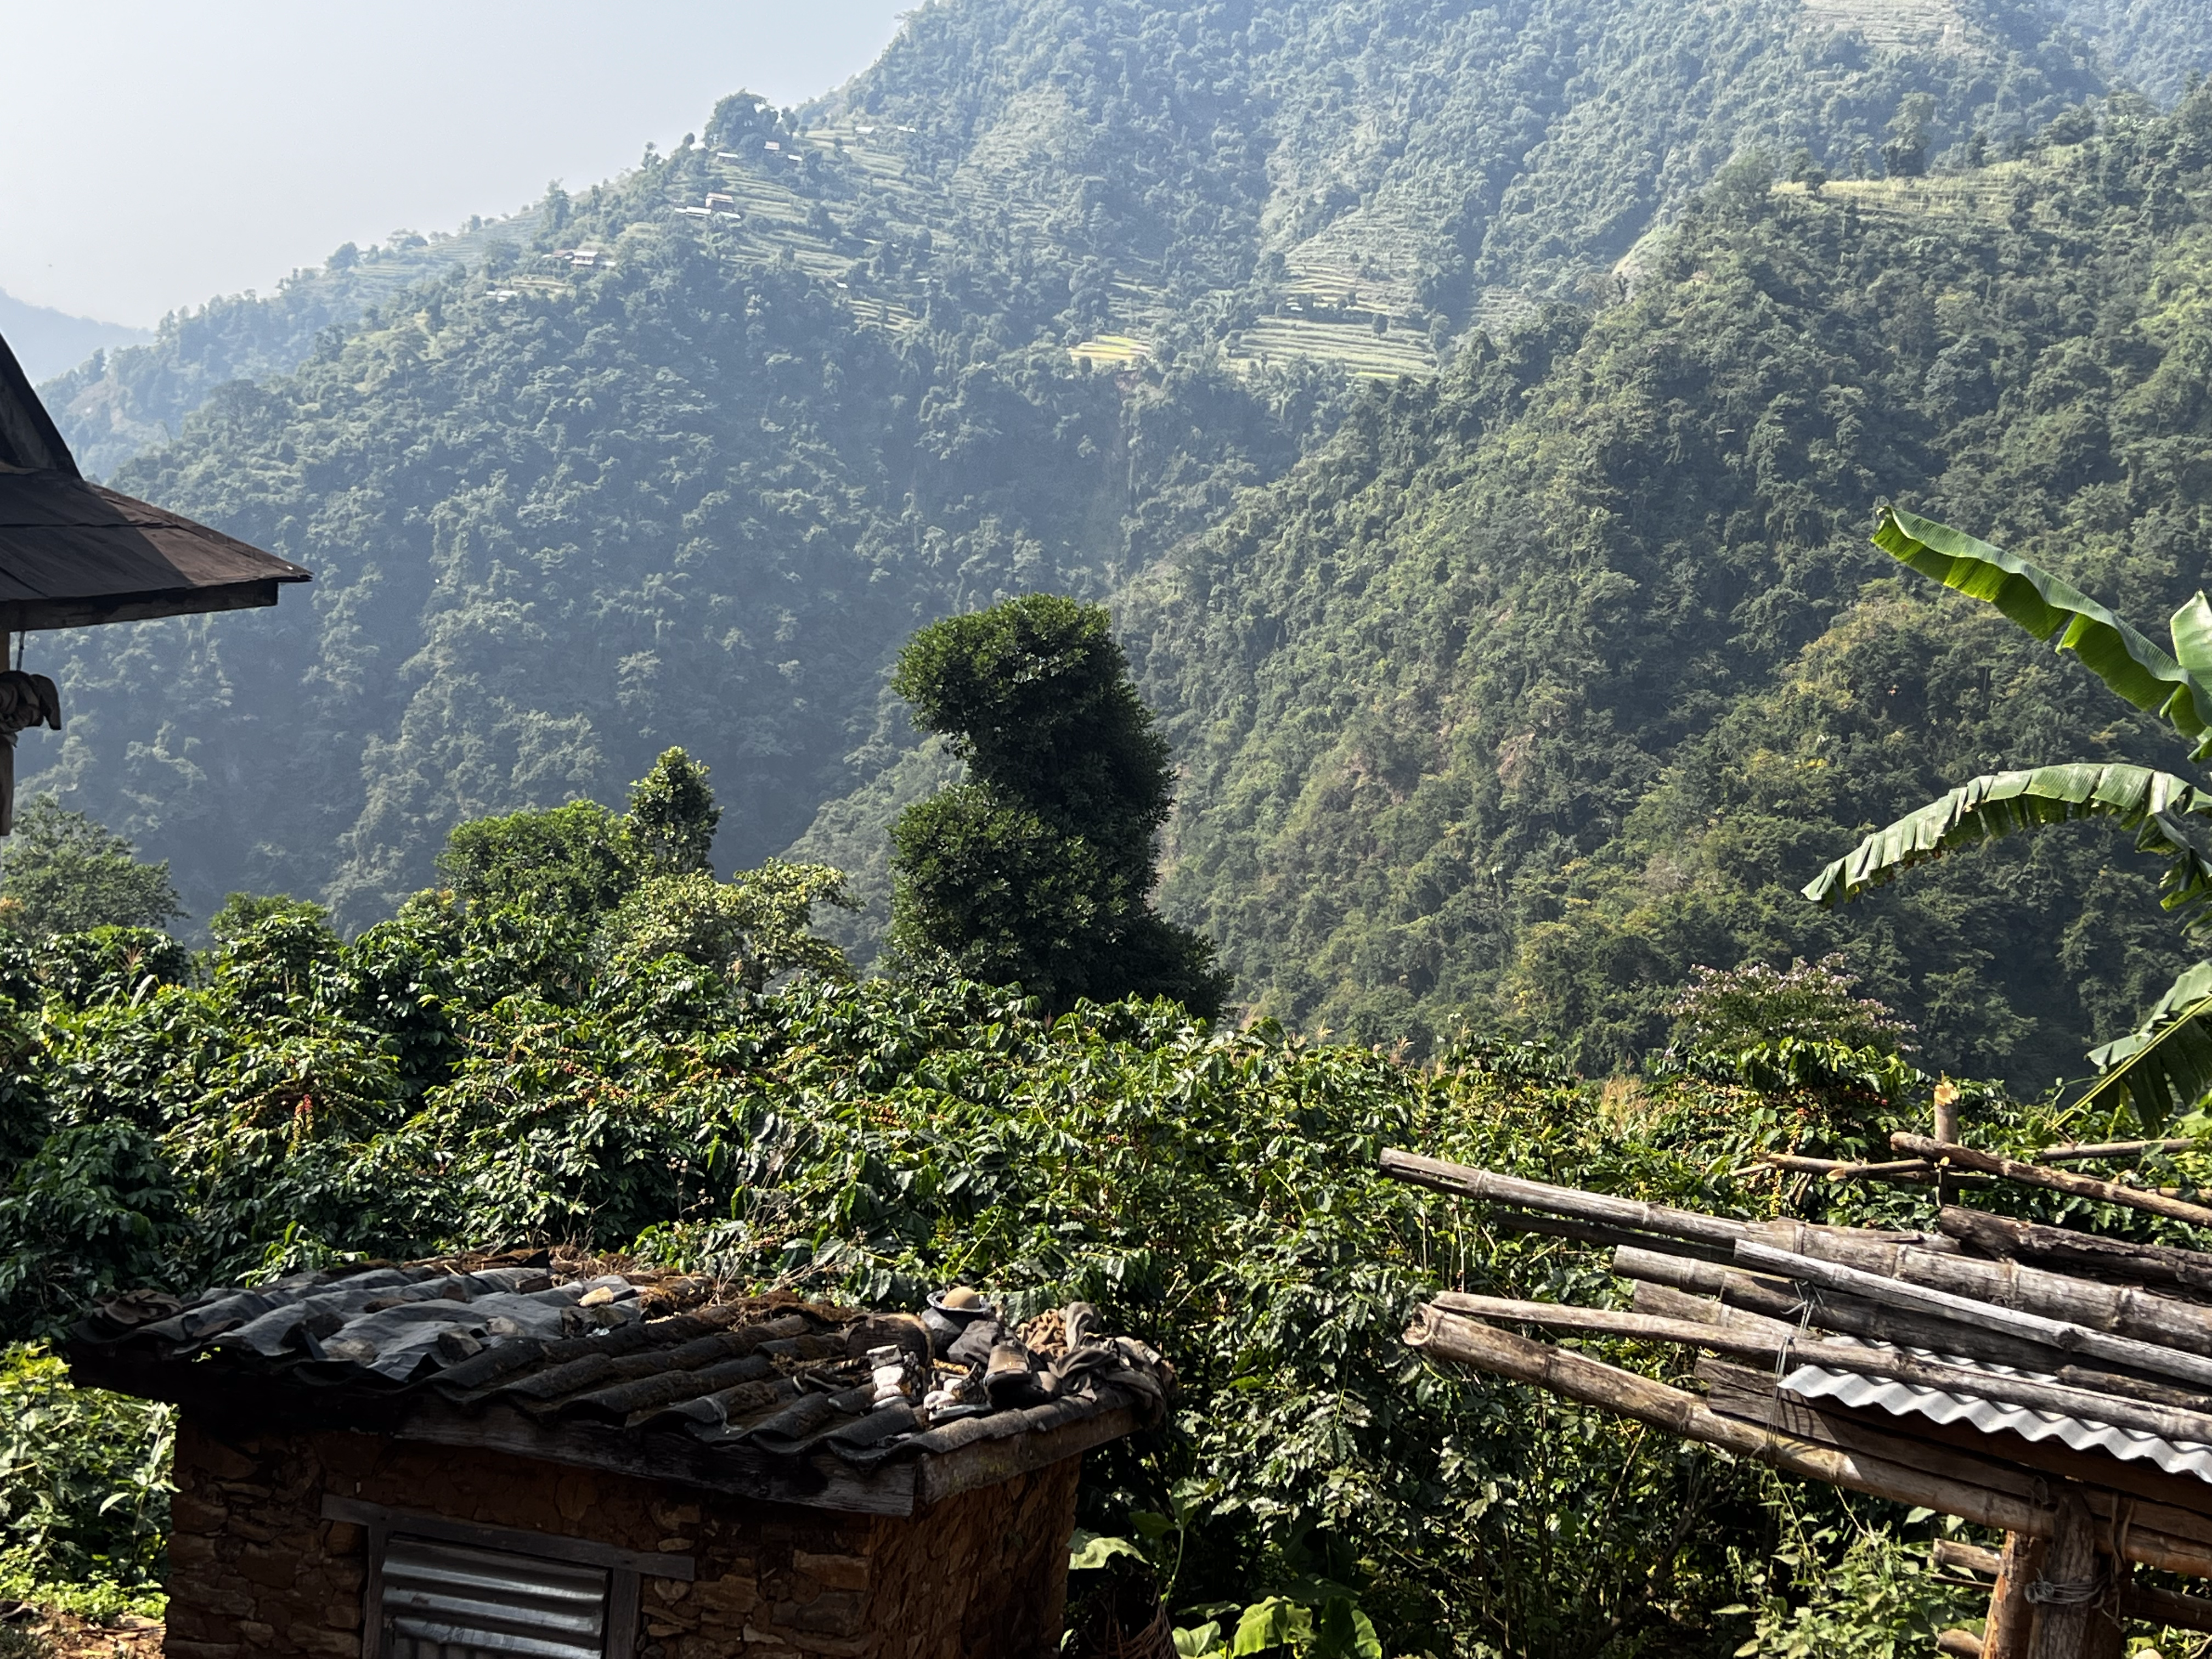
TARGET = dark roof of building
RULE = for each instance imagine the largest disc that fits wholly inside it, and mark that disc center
(656, 1372)
(73, 553)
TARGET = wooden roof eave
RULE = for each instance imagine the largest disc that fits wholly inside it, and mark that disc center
(74, 554)
(1035, 1438)
(36, 615)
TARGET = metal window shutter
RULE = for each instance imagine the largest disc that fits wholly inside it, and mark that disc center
(453, 1601)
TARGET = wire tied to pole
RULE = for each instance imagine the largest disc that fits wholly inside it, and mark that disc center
(2077, 1593)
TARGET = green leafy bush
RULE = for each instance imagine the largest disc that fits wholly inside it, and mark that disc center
(84, 1493)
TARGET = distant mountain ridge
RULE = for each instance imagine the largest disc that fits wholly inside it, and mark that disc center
(1473, 160)
(46, 342)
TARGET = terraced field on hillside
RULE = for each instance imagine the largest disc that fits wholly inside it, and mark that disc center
(1353, 347)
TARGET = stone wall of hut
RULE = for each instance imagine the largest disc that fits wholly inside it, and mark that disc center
(255, 1570)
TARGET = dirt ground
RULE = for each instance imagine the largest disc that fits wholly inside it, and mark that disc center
(64, 1636)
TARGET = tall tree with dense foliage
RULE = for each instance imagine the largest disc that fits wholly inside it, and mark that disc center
(60, 872)
(1038, 869)
(582, 859)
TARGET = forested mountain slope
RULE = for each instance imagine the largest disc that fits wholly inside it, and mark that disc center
(1538, 686)
(2155, 48)
(1405, 157)
(688, 466)
(130, 398)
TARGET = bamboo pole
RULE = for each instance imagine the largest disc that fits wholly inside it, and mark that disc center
(1592, 1232)
(2032, 1175)
(2166, 1607)
(1947, 1130)
(2122, 1310)
(1965, 1558)
(2129, 1387)
(1916, 1170)
(2062, 1334)
(1573, 1377)
(1491, 1187)
(2078, 1252)
(2085, 1151)
(2166, 1422)
(1610, 1322)
(1946, 1111)
(1850, 1314)
(1665, 1301)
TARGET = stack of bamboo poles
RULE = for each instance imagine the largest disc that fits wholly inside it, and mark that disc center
(2049, 1320)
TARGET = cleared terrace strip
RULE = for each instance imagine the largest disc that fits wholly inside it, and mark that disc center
(1109, 351)
(1354, 347)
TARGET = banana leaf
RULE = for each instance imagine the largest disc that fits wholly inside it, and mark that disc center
(2165, 1066)
(2155, 804)
(2040, 602)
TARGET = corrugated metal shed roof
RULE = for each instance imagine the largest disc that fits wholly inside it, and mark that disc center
(1944, 1406)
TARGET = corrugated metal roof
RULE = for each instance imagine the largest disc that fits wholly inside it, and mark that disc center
(1943, 1406)
(649, 1353)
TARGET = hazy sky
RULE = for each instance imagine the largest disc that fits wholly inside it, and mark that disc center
(155, 153)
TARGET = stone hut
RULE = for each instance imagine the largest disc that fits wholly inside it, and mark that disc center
(519, 1458)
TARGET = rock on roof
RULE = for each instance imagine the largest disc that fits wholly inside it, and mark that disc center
(583, 1363)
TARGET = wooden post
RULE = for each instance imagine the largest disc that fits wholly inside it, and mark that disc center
(2067, 1602)
(2108, 1631)
(1947, 1130)
(1947, 1111)
(2012, 1616)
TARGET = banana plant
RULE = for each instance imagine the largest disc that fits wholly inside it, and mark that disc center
(2165, 1067)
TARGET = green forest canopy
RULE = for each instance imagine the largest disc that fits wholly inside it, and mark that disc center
(523, 1065)
(1505, 698)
